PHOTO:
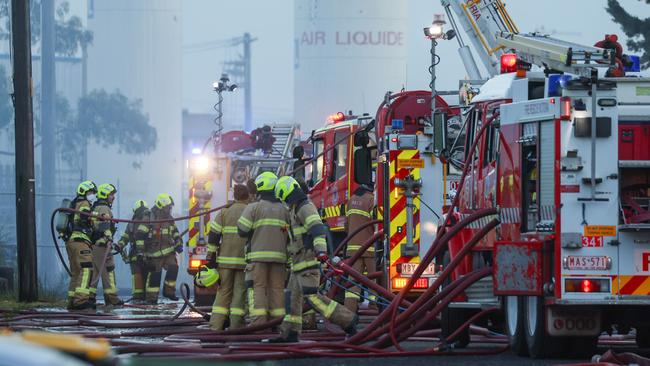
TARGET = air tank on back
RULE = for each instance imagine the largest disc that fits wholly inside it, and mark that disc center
(348, 54)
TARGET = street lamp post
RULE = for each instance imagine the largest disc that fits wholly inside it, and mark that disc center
(221, 86)
(434, 32)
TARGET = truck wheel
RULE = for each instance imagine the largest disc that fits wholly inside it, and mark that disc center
(515, 318)
(643, 337)
(451, 319)
(540, 344)
(583, 347)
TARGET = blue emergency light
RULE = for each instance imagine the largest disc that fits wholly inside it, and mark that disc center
(636, 64)
(555, 84)
(397, 124)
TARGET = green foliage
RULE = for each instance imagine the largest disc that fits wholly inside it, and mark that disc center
(108, 119)
(70, 34)
(637, 29)
(6, 109)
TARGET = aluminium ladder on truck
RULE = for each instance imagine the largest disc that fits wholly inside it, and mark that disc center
(280, 159)
(556, 54)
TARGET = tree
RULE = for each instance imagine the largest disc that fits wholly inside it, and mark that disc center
(108, 119)
(637, 29)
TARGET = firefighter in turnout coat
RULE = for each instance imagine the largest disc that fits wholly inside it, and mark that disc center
(103, 231)
(265, 223)
(226, 252)
(308, 249)
(359, 212)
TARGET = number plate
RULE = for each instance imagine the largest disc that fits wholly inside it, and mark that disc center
(587, 263)
(409, 268)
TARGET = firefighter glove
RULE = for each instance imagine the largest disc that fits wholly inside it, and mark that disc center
(322, 257)
(179, 249)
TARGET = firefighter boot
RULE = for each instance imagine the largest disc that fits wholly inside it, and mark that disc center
(309, 320)
(292, 337)
(169, 289)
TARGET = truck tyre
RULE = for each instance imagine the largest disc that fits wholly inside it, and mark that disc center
(583, 347)
(451, 319)
(540, 344)
(515, 319)
(643, 337)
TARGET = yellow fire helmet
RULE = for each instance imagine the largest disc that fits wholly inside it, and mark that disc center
(164, 200)
(138, 204)
(266, 181)
(105, 190)
(206, 277)
(85, 187)
(284, 187)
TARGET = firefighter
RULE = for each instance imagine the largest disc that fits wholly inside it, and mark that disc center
(103, 231)
(308, 250)
(161, 254)
(79, 248)
(136, 234)
(359, 212)
(252, 190)
(265, 223)
(226, 251)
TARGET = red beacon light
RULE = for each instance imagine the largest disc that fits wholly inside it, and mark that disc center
(337, 117)
(508, 63)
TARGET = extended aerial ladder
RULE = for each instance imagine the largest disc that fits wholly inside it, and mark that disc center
(493, 33)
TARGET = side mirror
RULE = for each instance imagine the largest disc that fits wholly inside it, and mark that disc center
(439, 134)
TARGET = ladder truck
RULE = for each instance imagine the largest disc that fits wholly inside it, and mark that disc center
(563, 154)
(212, 174)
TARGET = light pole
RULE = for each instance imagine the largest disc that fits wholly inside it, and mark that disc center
(434, 32)
(221, 86)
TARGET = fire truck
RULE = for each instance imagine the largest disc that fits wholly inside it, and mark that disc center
(394, 152)
(563, 155)
(238, 157)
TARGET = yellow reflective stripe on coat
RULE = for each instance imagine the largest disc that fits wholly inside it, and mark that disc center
(320, 243)
(212, 248)
(352, 295)
(298, 230)
(296, 267)
(277, 312)
(220, 310)
(312, 219)
(269, 222)
(237, 311)
(294, 319)
(354, 211)
(246, 223)
(266, 254)
(325, 309)
(214, 227)
(162, 252)
(231, 260)
(357, 247)
(229, 230)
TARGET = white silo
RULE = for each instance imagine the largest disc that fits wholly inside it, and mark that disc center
(349, 53)
(137, 50)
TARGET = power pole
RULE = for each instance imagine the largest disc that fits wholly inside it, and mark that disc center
(48, 114)
(240, 70)
(248, 108)
(24, 147)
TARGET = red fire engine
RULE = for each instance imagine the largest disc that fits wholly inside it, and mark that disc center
(395, 153)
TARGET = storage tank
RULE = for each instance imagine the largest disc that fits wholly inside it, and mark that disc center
(137, 49)
(348, 54)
